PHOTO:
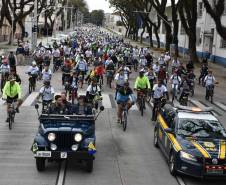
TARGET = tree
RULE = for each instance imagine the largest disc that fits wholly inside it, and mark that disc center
(160, 7)
(216, 11)
(188, 15)
(97, 17)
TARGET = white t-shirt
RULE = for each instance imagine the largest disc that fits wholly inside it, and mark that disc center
(93, 89)
(120, 79)
(47, 93)
(159, 91)
(209, 80)
(46, 75)
(176, 80)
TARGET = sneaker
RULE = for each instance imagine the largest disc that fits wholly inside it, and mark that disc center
(17, 110)
(7, 120)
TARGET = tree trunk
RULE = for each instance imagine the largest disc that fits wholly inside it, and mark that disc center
(168, 36)
(157, 37)
(22, 28)
(141, 35)
(11, 39)
(150, 36)
(192, 47)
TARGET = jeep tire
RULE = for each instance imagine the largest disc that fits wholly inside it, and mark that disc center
(40, 164)
(89, 166)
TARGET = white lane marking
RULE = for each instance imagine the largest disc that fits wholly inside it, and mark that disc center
(106, 101)
(180, 180)
(222, 106)
(61, 176)
(134, 107)
(30, 99)
(201, 106)
(176, 103)
(198, 104)
(2, 101)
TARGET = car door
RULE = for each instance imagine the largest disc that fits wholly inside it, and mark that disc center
(163, 136)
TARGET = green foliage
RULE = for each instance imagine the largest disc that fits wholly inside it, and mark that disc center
(97, 17)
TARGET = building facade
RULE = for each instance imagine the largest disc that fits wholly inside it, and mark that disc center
(208, 40)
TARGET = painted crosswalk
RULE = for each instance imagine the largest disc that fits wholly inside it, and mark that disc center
(108, 102)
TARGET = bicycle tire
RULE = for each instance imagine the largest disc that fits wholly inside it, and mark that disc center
(125, 121)
(30, 88)
(10, 121)
(141, 104)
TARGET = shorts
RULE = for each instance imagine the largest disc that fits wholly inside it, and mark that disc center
(11, 99)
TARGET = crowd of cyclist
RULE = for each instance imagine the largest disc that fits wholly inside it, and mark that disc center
(88, 56)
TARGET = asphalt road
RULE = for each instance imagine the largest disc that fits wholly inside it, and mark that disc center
(122, 158)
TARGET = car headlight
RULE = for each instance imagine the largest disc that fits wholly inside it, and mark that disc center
(78, 137)
(187, 156)
(51, 136)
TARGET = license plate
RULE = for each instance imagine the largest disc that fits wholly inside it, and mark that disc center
(43, 154)
(63, 155)
(214, 171)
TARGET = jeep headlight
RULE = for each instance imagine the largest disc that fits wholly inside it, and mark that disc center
(187, 156)
(78, 137)
(51, 136)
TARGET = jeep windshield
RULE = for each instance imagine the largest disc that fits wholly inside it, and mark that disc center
(191, 127)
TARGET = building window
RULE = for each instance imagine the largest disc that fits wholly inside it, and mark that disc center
(200, 9)
(223, 43)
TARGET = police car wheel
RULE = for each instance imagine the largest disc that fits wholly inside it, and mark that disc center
(40, 164)
(89, 166)
(156, 142)
(172, 166)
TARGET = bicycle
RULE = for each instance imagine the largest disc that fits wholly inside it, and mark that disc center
(12, 113)
(123, 120)
(141, 101)
(73, 94)
(32, 83)
(158, 103)
(174, 91)
(110, 75)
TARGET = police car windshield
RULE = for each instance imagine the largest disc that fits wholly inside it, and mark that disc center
(200, 128)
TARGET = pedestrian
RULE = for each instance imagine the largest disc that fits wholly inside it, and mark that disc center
(20, 52)
(12, 60)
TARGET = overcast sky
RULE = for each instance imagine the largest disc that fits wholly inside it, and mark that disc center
(99, 4)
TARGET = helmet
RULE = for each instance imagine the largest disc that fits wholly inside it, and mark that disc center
(11, 78)
(141, 71)
(5, 61)
(34, 63)
(46, 82)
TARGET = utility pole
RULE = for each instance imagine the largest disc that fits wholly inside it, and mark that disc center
(72, 27)
(65, 16)
(34, 25)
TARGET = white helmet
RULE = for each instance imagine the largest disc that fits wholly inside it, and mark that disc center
(34, 63)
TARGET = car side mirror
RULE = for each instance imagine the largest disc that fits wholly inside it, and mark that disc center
(101, 108)
(36, 106)
(169, 131)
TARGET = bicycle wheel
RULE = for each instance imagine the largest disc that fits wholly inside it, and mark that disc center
(30, 88)
(142, 106)
(124, 124)
(10, 121)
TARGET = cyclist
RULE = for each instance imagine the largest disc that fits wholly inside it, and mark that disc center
(143, 61)
(93, 91)
(175, 64)
(33, 71)
(159, 92)
(142, 84)
(47, 93)
(123, 96)
(15, 75)
(46, 74)
(4, 70)
(175, 81)
(81, 67)
(151, 76)
(209, 82)
(12, 92)
(12, 60)
(120, 79)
